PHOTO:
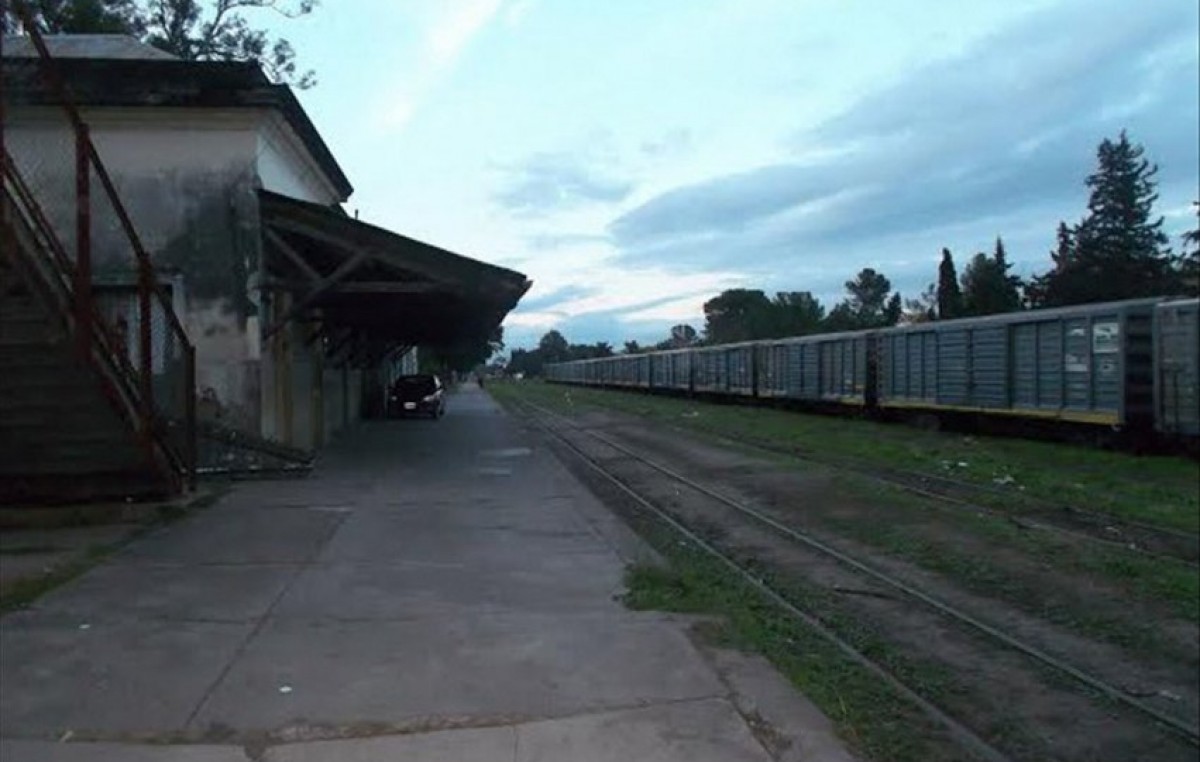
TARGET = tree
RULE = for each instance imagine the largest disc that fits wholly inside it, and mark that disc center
(191, 29)
(892, 310)
(1120, 250)
(80, 17)
(737, 315)
(633, 348)
(1064, 278)
(1189, 257)
(553, 347)
(987, 288)
(923, 309)
(588, 351)
(796, 313)
(682, 335)
(949, 297)
(525, 361)
(868, 304)
(464, 356)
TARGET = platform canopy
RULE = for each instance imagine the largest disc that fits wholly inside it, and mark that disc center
(368, 285)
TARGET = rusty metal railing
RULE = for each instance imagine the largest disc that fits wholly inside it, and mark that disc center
(152, 379)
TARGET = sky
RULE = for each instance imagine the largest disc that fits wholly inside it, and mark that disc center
(634, 158)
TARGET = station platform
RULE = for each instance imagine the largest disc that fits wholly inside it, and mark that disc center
(435, 590)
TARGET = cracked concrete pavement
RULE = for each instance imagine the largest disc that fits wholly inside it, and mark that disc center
(436, 590)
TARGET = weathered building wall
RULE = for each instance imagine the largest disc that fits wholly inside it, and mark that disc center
(189, 180)
(285, 168)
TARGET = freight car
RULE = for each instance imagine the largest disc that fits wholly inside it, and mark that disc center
(1090, 364)
(1129, 366)
(1177, 368)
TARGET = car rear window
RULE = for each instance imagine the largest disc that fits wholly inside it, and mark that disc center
(417, 384)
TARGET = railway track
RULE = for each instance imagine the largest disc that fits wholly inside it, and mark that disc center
(979, 748)
(1106, 529)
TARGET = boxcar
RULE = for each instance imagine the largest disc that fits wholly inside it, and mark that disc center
(671, 369)
(830, 367)
(635, 371)
(1177, 363)
(1087, 364)
(724, 369)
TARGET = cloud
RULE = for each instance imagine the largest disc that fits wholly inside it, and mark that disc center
(517, 11)
(540, 302)
(548, 182)
(1004, 131)
(454, 31)
(444, 40)
(549, 241)
(673, 143)
(688, 308)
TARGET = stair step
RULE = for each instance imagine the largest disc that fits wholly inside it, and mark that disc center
(31, 335)
(22, 308)
(78, 411)
(50, 384)
(69, 458)
(108, 432)
(69, 487)
(14, 360)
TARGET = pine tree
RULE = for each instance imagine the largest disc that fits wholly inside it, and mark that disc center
(987, 288)
(1119, 250)
(1008, 287)
(949, 297)
(1189, 258)
(1062, 279)
(867, 304)
(1064, 250)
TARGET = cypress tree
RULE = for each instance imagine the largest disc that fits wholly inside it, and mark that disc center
(949, 296)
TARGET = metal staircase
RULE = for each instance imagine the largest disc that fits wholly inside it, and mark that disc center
(83, 414)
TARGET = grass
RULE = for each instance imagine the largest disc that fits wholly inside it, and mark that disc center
(1142, 577)
(1158, 490)
(25, 591)
(876, 721)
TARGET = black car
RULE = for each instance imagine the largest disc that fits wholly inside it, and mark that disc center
(417, 395)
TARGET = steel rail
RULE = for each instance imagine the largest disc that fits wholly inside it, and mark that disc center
(897, 478)
(978, 747)
(1189, 732)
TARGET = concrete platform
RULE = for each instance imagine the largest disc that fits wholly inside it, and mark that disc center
(437, 590)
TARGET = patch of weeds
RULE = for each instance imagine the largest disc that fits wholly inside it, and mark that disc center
(869, 715)
(982, 576)
(23, 592)
(1165, 582)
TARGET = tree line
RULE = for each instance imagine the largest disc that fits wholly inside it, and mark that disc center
(1117, 250)
(554, 347)
(194, 30)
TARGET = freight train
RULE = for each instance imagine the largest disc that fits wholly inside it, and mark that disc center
(1131, 367)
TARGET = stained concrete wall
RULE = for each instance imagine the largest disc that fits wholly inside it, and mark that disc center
(188, 178)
